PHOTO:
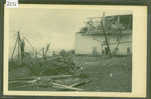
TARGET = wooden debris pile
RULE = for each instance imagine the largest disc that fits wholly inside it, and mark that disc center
(57, 82)
(53, 65)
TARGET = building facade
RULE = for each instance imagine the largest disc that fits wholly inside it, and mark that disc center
(118, 32)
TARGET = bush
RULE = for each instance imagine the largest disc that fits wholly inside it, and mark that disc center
(62, 53)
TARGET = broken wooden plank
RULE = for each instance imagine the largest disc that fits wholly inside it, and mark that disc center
(25, 86)
(61, 86)
(55, 77)
(80, 83)
(27, 81)
(44, 77)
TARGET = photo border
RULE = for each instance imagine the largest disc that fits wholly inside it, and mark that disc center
(81, 2)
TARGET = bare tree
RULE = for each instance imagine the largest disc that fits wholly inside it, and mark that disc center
(105, 35)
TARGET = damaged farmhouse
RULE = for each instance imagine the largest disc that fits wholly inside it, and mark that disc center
(109, 34)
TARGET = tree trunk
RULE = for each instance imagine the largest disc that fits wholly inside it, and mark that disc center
(106, 39)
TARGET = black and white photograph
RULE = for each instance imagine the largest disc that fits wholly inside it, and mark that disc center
(70, 49)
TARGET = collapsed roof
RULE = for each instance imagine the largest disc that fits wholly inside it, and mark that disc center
(112, 25)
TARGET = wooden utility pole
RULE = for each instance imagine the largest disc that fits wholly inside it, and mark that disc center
(18, 37)
(19, 43)
(14, 48)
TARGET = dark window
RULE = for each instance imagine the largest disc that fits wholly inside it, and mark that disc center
(126, 20)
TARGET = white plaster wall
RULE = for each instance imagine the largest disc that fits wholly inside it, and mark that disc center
(85, 44)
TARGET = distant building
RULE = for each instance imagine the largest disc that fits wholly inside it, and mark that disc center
(118, 29)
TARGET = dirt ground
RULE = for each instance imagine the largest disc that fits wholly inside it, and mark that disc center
(108, 74)
(105, 74)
